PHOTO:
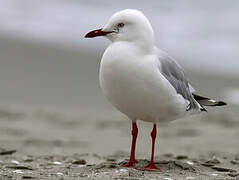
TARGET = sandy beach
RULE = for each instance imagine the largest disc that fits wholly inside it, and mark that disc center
(80, 146)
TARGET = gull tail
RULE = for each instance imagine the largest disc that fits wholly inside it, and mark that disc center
(204, 101)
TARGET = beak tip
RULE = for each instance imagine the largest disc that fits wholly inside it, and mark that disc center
(97, 32)
(88, 35)
(93, 33)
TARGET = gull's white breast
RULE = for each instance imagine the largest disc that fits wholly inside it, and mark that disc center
(132, 82)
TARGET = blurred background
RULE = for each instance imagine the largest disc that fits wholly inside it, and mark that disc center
(50, 100)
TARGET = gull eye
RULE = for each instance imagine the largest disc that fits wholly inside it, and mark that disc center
(120, 25)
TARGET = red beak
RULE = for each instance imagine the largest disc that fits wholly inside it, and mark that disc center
(97, 32)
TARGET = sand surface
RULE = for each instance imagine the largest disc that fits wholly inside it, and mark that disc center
(53, 145)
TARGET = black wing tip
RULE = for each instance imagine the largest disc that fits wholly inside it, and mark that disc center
(221, 103)
(203, 109)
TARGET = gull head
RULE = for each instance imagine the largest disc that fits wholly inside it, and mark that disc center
(126, 25)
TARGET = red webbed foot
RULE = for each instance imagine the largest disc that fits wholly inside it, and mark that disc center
(131, 164)
(151, 167)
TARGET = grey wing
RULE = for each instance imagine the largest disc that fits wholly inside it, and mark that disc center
(176, 77)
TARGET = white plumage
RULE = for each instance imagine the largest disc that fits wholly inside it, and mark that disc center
(142, 81)
(130, 74)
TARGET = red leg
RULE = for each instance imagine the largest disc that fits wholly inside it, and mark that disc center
(151, 165)
(132, 160)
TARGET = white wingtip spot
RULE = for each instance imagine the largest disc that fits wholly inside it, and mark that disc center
(213, 101)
